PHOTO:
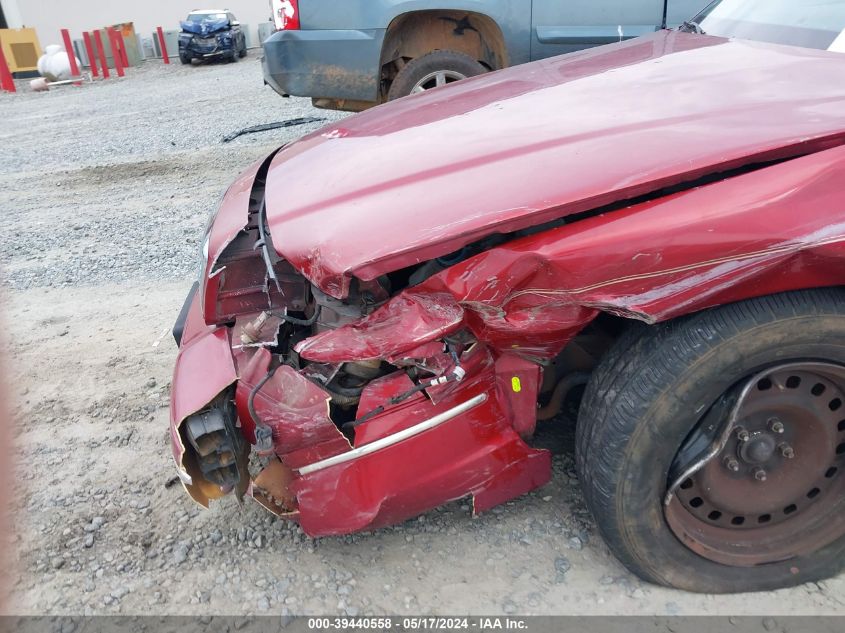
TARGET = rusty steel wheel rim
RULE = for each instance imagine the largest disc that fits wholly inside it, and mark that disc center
(774, 489)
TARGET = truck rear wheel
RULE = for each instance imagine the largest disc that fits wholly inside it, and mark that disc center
(433, 70)
(711, 449)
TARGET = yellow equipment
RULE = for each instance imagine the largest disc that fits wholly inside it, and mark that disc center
(21, 48)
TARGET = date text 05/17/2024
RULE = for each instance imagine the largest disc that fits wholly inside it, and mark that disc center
(418, 623)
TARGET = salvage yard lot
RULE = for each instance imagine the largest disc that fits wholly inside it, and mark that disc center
(106, 191)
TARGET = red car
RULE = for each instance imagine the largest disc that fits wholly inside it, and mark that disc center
(387, 306)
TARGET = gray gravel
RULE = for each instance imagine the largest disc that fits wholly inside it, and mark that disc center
(105, 197)
(114, 180)
(155, 112)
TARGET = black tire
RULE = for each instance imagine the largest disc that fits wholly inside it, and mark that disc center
(417, 69)
(184, 58)
(242, 52)
(636, 413)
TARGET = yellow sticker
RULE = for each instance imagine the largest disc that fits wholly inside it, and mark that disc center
(516, 384)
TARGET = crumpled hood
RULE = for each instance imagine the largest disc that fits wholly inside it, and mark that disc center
(420, 177)
(206, 27)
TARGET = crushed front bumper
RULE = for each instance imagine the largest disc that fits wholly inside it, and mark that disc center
(199, 51)
(457, 441)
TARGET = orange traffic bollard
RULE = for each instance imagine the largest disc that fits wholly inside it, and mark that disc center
(89, 49)
(71, 57)
(121, 45)
(164, 56)
(115, 50)
(101, 53)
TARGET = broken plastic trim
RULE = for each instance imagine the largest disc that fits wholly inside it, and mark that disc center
(183, 476)
(390, 440)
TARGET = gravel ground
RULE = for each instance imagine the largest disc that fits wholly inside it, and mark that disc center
(106, 193)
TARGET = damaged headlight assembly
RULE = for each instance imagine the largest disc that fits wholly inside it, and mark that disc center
(203, 258)
(206, 236)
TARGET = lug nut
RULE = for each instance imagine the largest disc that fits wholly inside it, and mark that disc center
(742, 435)
(776, 425)
(759, 474)
(786, 450)
(731, 463)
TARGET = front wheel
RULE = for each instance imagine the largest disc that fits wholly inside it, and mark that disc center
(711, 449)
(184, 58)
(433, 70)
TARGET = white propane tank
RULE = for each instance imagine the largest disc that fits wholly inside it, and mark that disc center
(54, 64)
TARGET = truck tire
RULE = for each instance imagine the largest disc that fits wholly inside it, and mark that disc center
(766, 510)
(432, 70)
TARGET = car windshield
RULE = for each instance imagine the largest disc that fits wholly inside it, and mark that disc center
(206, 17)
(809, 23)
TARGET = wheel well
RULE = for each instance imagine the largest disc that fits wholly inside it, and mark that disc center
(588, 348)
(416, 33)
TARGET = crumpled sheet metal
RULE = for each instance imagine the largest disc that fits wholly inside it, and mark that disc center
(478, 364)
(421, 178)
(295, 409)
(408, 321)
(376, 394)
(770, 230)
(766, 231)
(477, 453)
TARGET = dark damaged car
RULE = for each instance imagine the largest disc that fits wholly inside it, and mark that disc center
(211, 34)
(653, 231)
